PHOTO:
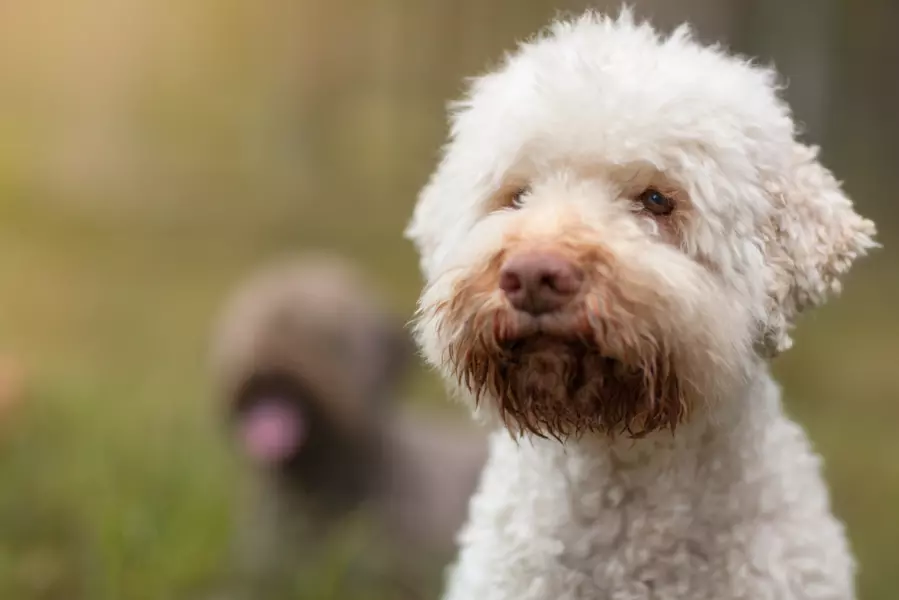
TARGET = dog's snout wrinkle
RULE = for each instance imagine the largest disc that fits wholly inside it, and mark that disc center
(539, 282)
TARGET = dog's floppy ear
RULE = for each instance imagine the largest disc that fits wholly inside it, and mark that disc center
(813, 238)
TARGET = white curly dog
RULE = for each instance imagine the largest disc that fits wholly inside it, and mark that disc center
(622, 231)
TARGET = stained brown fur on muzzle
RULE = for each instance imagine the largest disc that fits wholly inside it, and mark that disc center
(567, 388)
(598, 365)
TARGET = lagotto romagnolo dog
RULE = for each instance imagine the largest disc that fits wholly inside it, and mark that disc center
(622, 231)
(308, 365)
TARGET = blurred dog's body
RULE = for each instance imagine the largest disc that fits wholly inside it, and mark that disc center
(308, 364)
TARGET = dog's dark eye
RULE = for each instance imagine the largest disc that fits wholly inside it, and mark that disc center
(516, 199)
(656, 202)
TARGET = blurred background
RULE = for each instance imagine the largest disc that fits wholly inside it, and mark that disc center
(153, 151)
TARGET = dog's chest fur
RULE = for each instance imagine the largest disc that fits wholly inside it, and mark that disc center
(731, 507)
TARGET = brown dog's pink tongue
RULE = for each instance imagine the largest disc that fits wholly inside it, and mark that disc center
(272, 430)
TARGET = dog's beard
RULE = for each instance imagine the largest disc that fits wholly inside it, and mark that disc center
(552, 378)
(630, 355)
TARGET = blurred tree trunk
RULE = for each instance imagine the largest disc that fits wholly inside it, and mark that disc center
(800, 38)
(866, 114)
(841, 60)
(711, 20)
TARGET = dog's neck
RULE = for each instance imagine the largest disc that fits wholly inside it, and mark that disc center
(682, 514)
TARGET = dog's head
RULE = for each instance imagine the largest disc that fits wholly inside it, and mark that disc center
(306, 358)
(621, 226)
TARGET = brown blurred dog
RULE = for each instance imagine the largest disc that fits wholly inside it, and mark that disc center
(308, 363)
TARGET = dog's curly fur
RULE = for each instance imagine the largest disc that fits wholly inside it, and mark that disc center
(312, 334)
(650, 456)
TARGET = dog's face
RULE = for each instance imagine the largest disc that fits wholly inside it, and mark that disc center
(620, 227)
(306, 358)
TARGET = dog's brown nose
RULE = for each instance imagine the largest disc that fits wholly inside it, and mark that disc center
(539, 282)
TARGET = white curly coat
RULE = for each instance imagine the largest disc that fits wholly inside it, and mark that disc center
(732, 505)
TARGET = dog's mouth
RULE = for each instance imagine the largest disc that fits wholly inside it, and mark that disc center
(272, 419)
(272, 430)
(543, 330)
